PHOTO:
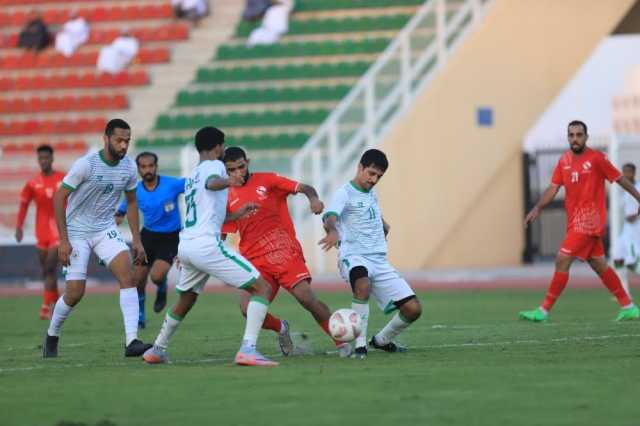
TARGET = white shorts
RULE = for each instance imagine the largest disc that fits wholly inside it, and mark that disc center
(626, 247)
(387, 286)
(206, 256)
(105, 244)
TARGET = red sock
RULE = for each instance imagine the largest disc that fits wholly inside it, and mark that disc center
(325, 326)
(558, 283)
(50, 297)
(272, 323)
(612, 282)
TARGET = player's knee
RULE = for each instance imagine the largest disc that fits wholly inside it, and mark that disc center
(157, 277)
(359, 280)
(73, 296)
(262, 288)
(411, 309)
(563, 263)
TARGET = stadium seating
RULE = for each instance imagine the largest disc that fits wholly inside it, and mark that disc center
(168, 32)
(280, 141)
(249, 119)
(304, 74)
(92, 14)
(62, 103)
(282, 72)
(293, 49)
(240, 96)
(30, 60)
(73, 80)
(30, 147)
(48, 127)
(321, 26)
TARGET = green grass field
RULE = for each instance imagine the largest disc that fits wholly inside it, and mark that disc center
(471, 362)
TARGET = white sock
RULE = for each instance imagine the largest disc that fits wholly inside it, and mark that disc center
(169, 326)
(130, 311)
(395, 326)
(362, 308)
(60, 313)
(256, 311)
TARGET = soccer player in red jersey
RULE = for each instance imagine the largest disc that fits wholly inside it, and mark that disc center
(268, 240)
(582, 171)
(41, 189)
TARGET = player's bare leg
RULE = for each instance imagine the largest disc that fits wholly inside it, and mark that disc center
(257, 308)
(628, 311)
(361, 287)
(120, 266)
(410, 310)
(158, 353)
(140, 274)
(320, 311)
(49, 264)
(557, 285)
(73, 293)
(158, 275)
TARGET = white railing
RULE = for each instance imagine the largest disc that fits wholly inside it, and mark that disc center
(373, 105)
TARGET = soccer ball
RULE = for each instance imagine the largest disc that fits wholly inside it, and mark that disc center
(345, 325)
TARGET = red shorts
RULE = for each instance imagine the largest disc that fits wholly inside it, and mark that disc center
(285, 275)
(46, 242)
(582, 246)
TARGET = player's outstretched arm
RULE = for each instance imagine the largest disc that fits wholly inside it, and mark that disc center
(315, 204)
(332, 237)
(547, 197)
(630, 188)
(59, 201)
(241, 212)
(133, 217)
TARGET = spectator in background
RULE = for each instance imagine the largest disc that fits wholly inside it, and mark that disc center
(116, 56)
(274, 24)
(191, 10)
(35, 35)
(74, 33)
(254, 9)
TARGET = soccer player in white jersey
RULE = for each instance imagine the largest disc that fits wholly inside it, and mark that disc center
(202, 253)
(354, 225)
(626, 251)
(93, 188)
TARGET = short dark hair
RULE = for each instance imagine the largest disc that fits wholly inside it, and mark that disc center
(116, 123)
(631, 166)
(234, 153)
(208, 138)
(374, 158)
(579, 123)
(147, 154)
(44, 148)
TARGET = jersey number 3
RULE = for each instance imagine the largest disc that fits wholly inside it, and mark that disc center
(191, 216)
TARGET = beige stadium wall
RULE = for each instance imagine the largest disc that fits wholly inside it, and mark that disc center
(453, 193)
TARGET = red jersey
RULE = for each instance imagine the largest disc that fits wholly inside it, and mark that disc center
(268, 232)
(41, 189)
(583, 178)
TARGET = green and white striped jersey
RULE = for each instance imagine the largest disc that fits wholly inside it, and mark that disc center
(97, 187)
(359, 221)
(206, 209)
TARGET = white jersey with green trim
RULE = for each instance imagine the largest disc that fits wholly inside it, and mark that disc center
(359, 221)
(96, 190)
(206, 209)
